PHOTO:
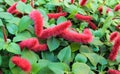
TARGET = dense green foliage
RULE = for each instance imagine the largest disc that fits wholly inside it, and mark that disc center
(62, 57)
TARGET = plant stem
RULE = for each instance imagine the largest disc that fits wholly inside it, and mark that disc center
(32, 3)
(4, 33)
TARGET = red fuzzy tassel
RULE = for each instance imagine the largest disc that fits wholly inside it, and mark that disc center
(32, 44)
(115, 49)
(53, 31)
(112, 71)
(59, 9)
(117, 7)
(70, 35)
(92, 25)
(12, 8)
(56, 15)
(83, 17)
(24, 1)
(83, 2)
(37, 17)
(100, 9)
(22, 63)
(113, 36)
(72, 1)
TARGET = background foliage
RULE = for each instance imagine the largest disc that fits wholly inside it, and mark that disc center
(63, 57)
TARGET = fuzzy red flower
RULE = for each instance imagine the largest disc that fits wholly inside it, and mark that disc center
(53, 31)
(32, 44)
(114, 35)
(117, 7)
(22, 63)
(56, 15)
(92, 25)
(83, 2)
(83, 17)
(59, 8)
(112, 71)
(100, 9)
(37, 17)
(115, 49)
(24, 1)
(12, 8)
(72, 1)
(70, 35)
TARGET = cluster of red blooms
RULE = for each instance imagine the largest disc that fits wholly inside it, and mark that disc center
(112, 71)
(60, 30)
(21, 63)
(115, 49)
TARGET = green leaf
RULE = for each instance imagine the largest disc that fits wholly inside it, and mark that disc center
(85, 49)
(24, 23)
(75, 46)
(80, 58)
(107, 23)
(102, 60)
(10, 2)
(28, 8)
(80, 68)
(21, 7)
(6, 15)
(53, 43)
(12, 28)
(31, 56)
(48, 56)
(61, 19)
(1, 23)
(14, 48)
(58, 68)
(21, 36)
(17, 70)
(92, 57)
(65, 54)
(40, 67)
(96, 41)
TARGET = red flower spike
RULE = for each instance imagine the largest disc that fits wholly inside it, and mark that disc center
(59, 9)
(32, 44)
(86, 37)
(56, 15)
(53, 31)
(37, 17)
(108, 10)
(83, 2)
(28, 43)
(22, 63)
(115, 49)
(112, 71)
(92, 25)
(100, 9)
(39, 47)
(114, 35)
(83, 17)
(117, 7)
(12, 8)
(72, 1)
(24, 1)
